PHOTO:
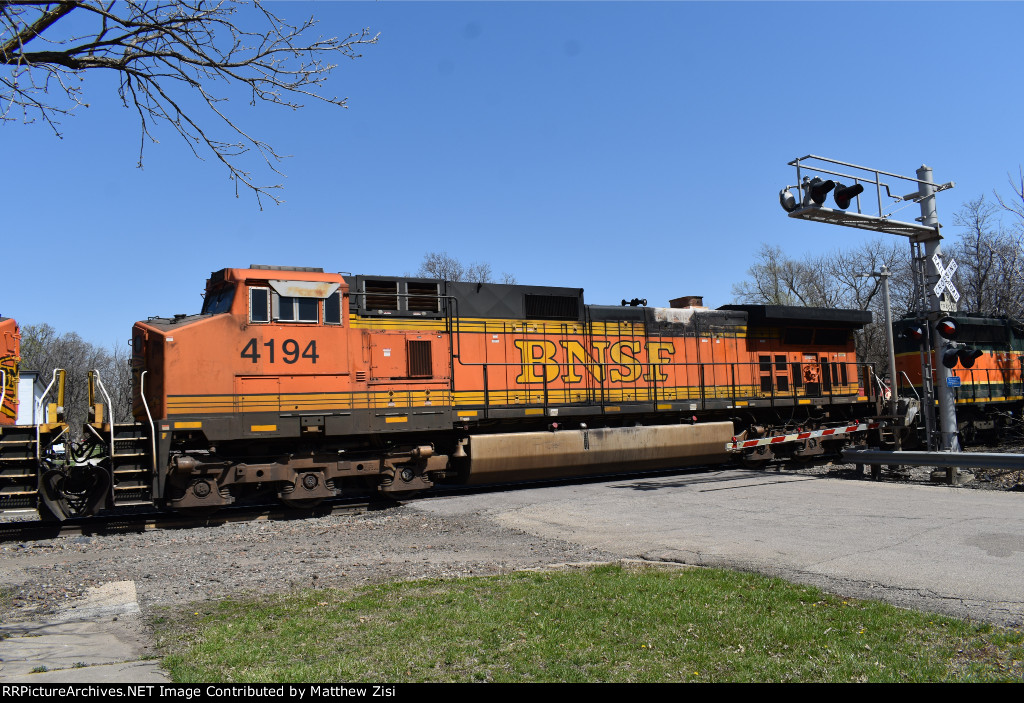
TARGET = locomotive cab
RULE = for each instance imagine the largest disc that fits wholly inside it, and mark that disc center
(257, 327)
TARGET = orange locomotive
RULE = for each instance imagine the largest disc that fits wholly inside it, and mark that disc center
(308, 385)
(988, 370)
(27, 451)
(9, 358)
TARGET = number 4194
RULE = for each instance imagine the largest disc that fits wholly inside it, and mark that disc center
(289, 351)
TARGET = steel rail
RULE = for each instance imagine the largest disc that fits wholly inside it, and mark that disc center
(977, 460)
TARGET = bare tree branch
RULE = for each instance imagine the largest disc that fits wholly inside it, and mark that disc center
(43, 349)
(167, 53)
(833, 280)
(989, 258)
(1015, 205)
(440, 264)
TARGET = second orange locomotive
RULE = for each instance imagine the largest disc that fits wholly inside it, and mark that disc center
(307, 384)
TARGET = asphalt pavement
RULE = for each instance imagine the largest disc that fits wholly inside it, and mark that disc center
(952, 550)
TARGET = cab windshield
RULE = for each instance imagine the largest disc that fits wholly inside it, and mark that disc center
(218, 300)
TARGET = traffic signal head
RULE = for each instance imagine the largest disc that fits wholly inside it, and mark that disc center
(787, 200)
(844, 194)
(965, 356)
(818, 190)
(968, 356)
(913, 333)
(947, 327)
(949, 358)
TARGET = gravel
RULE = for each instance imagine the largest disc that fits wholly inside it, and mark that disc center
(174, 567)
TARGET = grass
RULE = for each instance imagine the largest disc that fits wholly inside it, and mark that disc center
(607, 624)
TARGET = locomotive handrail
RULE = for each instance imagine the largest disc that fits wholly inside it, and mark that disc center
(904, 374)
(152, 426)
(3, 388)
(39, 409)
(881, 385)
(110, 413)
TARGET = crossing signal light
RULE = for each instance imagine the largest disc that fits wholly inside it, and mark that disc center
(913, 333)
(968, 356)
(818, 190)
(845, 194)
(965, 356)
(947, 327)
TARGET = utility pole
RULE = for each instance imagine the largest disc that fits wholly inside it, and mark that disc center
(933, 253)
(884, 274)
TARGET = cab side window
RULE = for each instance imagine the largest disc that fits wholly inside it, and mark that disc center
(290, 309)
(332, 309)
(259, 305)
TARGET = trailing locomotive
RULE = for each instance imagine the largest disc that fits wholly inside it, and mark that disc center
(28, 452)
(987, 360)
(305, 385)
(9, 358)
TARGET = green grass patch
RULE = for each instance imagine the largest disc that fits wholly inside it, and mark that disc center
(604, 624)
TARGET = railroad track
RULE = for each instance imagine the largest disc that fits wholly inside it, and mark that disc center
(151, 519)
(147, 518)
(144, 520)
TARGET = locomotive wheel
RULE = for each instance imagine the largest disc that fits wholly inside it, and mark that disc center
(198, 512)
(403, 484)
(757, 458)
(400, 495)
(752, 462)
(302, 503)
(969, 434)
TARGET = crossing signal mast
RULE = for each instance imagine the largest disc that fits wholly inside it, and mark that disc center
(816, 178)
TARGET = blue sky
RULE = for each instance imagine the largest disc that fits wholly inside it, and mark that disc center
(631, 149)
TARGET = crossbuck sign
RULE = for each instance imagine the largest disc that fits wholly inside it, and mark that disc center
(945, 278)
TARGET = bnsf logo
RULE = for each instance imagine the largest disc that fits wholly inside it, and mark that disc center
(624, 361)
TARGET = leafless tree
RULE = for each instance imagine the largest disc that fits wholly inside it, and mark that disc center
(774, 279)
(446, 267)
(43, 349)
(167, 53)
(990, 260)
(833, 280)
(1014, 204)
